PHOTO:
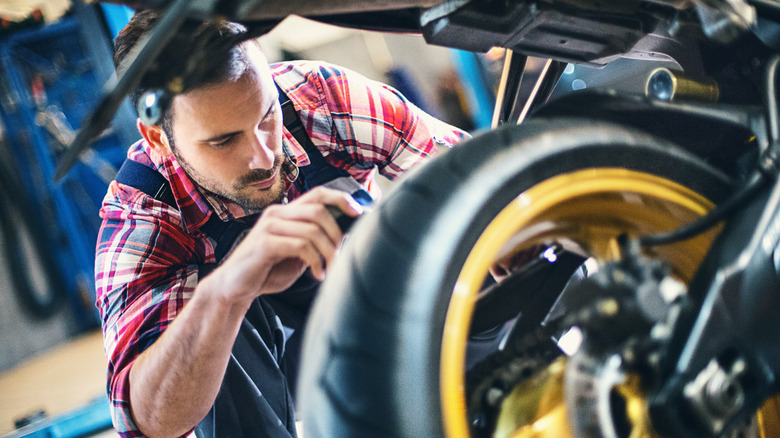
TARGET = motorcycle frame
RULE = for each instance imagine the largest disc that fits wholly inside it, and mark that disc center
(735, 288)
(731, 287)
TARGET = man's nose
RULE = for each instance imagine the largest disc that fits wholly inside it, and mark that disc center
(262, 152)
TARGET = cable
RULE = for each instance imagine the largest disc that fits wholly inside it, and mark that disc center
(701, 225)
(768, 171)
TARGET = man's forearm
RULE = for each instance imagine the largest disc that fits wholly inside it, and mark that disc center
(174, 383)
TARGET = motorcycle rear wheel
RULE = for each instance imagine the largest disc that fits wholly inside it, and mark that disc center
(386, 344)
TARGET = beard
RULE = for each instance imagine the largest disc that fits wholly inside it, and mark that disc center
(241, 191)
(256, 199)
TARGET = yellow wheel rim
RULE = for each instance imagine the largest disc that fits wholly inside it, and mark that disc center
(769, 418)
(587, 209)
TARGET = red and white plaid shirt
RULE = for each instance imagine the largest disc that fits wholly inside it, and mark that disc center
(148, 252)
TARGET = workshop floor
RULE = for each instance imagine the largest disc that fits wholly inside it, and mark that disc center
(62, 379)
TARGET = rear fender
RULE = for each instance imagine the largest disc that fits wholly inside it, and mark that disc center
(726, 137)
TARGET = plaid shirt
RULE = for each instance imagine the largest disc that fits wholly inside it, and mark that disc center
(148, 252)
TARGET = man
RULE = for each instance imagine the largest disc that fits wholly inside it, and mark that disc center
(217, 353)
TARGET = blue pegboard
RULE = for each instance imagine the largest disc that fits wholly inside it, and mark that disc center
(52, 78)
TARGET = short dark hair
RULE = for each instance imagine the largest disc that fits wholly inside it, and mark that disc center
(226, 61)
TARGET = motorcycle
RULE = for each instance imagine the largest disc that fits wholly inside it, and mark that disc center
(665, 203)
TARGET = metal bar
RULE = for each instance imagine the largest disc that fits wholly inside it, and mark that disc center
(542, 89)
(260, 10)
(508, 88)
(773, 114)
(265, 10)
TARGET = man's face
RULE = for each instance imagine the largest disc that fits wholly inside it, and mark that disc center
(228, 137)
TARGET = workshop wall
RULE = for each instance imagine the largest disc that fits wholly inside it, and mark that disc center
(51, 78)
(21, 334)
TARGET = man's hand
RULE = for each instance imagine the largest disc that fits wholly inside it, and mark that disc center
(284, 242)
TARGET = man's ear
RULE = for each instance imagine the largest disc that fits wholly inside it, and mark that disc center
(155, 137)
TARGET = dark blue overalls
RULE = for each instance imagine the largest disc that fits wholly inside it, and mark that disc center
(255, 399)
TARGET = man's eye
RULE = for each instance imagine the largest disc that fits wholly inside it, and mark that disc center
(270, 119)
(223, 142)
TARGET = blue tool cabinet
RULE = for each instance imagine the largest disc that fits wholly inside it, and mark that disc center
(51, 78)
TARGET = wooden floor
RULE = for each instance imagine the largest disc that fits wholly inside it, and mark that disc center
(64, 378)
(67, 377)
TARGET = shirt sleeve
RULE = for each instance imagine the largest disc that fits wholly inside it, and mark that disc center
(144, 277)
(378, 127)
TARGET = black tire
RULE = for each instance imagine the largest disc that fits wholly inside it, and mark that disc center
(372, 354)
(33, 271)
